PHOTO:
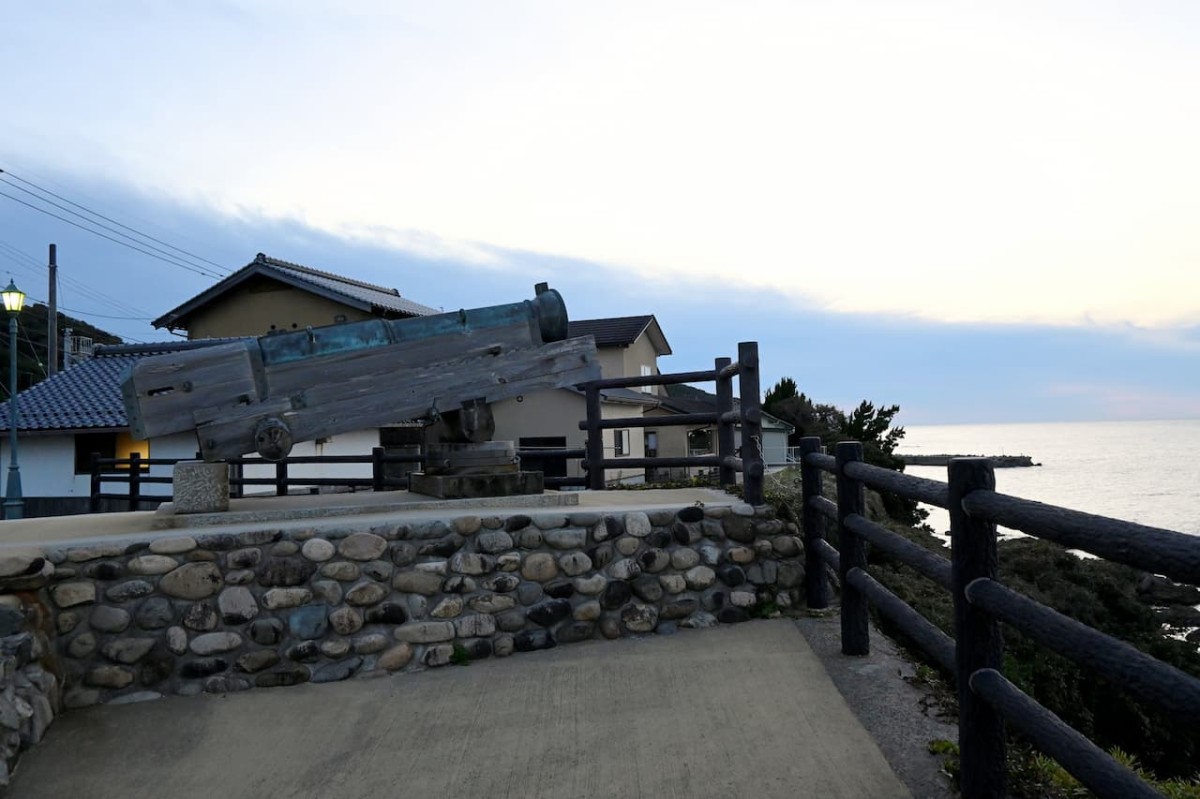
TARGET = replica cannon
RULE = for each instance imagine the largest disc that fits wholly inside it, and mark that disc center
(262, 395)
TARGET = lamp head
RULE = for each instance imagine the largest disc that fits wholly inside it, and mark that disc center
(14, 298)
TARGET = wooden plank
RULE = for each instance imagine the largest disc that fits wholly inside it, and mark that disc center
(375, 393)
(166, 389)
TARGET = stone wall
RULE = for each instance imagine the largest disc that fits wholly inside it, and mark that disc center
(227, 612)
(29, 686)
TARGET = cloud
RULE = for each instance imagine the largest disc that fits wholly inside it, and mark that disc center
(1031, 163)
(1120, 402)
(424, 244)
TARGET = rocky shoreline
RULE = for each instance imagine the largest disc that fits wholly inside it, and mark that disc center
(998, 461)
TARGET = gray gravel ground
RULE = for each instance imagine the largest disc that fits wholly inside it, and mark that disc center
(899, 715)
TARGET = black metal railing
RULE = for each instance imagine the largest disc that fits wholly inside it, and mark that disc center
(974, 655)
(724, 417)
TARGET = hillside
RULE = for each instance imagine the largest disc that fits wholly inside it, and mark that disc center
(32, 344)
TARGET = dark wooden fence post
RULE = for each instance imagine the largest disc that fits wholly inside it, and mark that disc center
(753, 462)
(94, 499)
(595, 441)
(281, 479)
(977, 635)
(725, 432)
(855, 636)
(135, 480)
(376, 468)
(816, 583)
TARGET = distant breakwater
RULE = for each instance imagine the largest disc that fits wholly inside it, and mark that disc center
(998, 461)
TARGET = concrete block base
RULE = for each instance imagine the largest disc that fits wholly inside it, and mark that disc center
(472, 486)
(200, 487)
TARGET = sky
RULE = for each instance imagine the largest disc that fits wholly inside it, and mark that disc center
(981, 212)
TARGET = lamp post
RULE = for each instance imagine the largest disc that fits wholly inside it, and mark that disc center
(14, 505)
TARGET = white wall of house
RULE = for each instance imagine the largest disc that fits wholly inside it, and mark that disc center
(639, 356)
(636, 441)
(359, 442)
(543, 414)
(48, 465)
(558, 413)
(775, 446)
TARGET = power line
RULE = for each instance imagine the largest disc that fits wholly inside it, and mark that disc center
(92, 294)
(21, 258)
(164, 257)
(115, 222)
(59, 189)
(18, 253)
(105, 316)
(32, 349)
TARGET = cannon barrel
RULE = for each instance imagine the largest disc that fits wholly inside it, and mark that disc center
(262, 394)
(545, 316)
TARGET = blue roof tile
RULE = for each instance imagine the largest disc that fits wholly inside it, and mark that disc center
(87, 395)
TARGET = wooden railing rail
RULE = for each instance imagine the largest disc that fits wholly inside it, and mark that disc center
(130, 472)
(974, 655)
(751, 462)
(557, 454)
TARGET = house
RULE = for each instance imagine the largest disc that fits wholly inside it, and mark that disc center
(269, 295)
(693, 440)
(68, 417)
(626, 346)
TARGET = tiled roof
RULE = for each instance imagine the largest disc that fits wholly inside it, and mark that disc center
(620, 331)
(87, 395)
(367, 296)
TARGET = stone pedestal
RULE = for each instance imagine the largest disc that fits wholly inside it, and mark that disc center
(200, 487)
(472, 486)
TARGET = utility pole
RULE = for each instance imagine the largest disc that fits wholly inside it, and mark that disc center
(52, 317)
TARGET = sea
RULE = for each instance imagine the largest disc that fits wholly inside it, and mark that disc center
(1146, 471)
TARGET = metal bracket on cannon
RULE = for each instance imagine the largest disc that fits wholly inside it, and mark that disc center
(465, 463)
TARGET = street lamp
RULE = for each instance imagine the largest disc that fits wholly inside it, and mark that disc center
(14, 301)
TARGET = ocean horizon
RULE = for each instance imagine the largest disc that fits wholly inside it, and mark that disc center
(1140, 471)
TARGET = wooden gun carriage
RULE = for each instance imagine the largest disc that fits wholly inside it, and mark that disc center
(262, 395)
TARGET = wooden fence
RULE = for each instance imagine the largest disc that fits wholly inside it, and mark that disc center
(975, 654)
(725, 418)
(131, 473)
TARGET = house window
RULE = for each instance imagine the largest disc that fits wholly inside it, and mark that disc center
(647, 372)
(107, 445)
(620, 443)
(700, 442)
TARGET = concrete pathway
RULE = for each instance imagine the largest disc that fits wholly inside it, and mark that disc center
(744, 710)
